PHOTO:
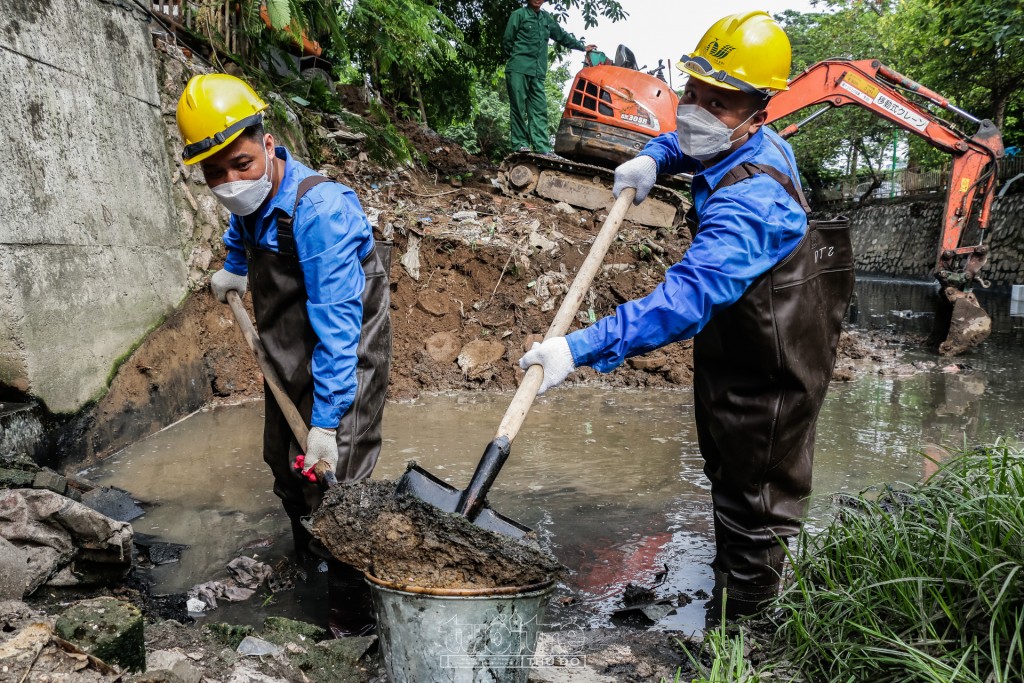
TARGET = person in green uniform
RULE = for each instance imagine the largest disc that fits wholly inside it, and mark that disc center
(526, 45)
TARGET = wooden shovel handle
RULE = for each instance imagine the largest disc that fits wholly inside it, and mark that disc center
(291, 413)
(527, 392)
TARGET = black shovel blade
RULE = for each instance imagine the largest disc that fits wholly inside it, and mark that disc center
(419, 483)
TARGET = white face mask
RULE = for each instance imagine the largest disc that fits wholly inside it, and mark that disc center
(243, 197)
(701, 135)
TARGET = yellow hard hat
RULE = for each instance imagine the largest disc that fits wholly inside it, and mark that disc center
(747, 52)
(213, 111)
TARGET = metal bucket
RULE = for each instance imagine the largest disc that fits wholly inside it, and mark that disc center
(437, 635)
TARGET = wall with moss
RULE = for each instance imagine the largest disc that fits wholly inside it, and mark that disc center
(91, 253)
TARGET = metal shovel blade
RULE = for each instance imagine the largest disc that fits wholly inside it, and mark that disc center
(419, 483)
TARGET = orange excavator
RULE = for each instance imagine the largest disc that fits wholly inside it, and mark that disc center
(962, 249)
(615, 108)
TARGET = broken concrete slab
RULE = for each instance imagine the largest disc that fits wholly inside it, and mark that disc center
(539, 243)
(113, 503)
(16, 479)
(50, 480)
(173, 662)
(443, 347)
(594, 196)
(280, 630)
(477, 356)
(338, 660)
(107, 628)
(246, 672)
(37, 654)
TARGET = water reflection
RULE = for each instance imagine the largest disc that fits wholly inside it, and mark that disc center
(611, 480)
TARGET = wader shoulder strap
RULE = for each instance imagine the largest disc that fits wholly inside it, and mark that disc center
(748, 170)
(285, 235)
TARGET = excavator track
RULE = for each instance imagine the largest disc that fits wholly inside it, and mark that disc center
(588, 186)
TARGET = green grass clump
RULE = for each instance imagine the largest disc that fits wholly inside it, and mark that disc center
(724, 650)
(925, 584)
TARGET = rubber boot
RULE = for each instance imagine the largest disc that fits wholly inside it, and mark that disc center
(739, 600)
(350, 610)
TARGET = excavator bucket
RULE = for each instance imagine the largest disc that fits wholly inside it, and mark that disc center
(969, 324)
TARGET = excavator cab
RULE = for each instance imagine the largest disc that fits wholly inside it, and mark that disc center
(613, 110)
(625, 59)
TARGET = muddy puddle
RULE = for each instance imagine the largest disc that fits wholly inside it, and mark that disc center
(611, 479)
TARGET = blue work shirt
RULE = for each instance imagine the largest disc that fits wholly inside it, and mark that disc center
(745, 230)
(332, 237)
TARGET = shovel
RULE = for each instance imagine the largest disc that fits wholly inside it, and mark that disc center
(323, 473)
(471, 502)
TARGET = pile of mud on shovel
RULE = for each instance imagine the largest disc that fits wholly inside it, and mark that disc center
(403, 540)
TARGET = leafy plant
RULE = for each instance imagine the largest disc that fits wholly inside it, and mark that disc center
(921, 584)
(384, 143)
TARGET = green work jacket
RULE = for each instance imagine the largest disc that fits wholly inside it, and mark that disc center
(526, 41)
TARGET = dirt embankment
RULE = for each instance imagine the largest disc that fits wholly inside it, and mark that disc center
(475, 276)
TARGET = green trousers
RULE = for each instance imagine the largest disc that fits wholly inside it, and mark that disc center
(528, 112)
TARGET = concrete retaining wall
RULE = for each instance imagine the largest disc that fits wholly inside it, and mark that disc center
(90, 251)
(901, 240)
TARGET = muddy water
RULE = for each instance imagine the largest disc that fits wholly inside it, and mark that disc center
(611, 479)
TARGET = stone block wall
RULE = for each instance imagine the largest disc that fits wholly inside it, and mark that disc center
(902, 239)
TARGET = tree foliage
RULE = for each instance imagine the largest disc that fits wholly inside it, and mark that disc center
(846, 142)
(433, 58)
(970, 51)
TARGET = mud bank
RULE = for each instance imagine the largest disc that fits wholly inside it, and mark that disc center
(405, 541)
(476, 277)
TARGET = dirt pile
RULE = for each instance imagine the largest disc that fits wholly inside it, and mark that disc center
(475, 277)
(406, 541)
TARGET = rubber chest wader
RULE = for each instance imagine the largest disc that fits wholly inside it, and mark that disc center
(279, 301)
(761, 370)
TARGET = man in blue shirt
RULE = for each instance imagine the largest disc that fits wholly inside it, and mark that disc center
(320, 295)
(762, 294)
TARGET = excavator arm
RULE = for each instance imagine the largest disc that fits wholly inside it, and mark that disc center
(885, 93)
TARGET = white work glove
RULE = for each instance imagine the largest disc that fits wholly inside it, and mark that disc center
(640, 172)
(223, 281)
(554, 356)
(321, 444)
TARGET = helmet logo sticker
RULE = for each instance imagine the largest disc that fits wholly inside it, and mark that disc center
(719, 51)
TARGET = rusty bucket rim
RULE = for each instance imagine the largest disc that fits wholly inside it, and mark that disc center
(497, 591)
